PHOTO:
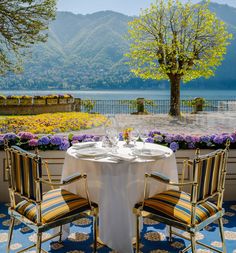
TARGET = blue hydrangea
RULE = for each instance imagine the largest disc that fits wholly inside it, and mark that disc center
(65, 144)
(205, 139)
(44, 140)
(188, 138)
(56, 140)
(174, 146)
(10, 136)
(150, 140)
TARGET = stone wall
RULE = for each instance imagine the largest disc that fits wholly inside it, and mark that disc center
(31, 107)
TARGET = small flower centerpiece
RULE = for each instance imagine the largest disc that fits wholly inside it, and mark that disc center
(127, 135)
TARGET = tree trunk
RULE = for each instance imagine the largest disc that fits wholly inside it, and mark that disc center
(174, 95)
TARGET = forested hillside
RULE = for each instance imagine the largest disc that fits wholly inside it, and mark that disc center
(87, 51)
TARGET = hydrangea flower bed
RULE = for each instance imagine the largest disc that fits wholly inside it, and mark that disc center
(182, 141)
(50, 123)
(29, 141)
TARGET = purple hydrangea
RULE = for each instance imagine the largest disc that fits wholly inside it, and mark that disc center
(188, 138)
(218, 139)
(150, 140)
(1, 141)
(10, 136)
(153, 133)
(96, 138)
(205, 139)
(233, 137)
(56, 140)
(65, 144)
(33, 143)
(44, 140)
(191, 145)
(178, 137)
(26, 135)
(213, 136)
(78, 138)
(174, 146)
(195, 139)
(168, 138)
(158, 138)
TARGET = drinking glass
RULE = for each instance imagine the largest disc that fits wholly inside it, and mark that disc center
(144, 136)
(113, 137)
(135, 136)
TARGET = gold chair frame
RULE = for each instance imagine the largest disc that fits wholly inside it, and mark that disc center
(193, 228)
(38, 227)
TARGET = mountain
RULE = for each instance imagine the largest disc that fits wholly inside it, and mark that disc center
(87, 52)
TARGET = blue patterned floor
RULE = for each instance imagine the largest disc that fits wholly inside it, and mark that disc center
(153, 236)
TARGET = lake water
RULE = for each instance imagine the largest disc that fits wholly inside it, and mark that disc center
(131, 94)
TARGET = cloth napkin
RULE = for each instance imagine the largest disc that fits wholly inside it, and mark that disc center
(122, 157)
(84, 145)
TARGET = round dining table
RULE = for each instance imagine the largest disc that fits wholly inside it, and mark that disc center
(116, 185)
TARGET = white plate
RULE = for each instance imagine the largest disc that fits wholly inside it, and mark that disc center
(149, 153)
(91, 152)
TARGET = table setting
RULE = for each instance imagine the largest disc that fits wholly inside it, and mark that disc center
(115, 171)
(113, 150)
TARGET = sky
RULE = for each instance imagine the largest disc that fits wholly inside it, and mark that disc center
(129, 7)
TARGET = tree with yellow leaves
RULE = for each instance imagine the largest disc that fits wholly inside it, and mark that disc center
(177, 42)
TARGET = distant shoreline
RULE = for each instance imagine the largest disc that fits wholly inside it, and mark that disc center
(141, 89)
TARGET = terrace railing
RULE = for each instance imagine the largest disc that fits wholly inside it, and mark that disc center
(156, 107)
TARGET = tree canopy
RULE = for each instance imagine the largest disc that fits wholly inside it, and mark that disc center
(176, 41)
(175, 38)
(22, 23)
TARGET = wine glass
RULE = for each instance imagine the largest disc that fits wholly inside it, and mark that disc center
(144, 134)
(113, 137)
(135, 134)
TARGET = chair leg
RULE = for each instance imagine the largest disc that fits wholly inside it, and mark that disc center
(221, 228)
(137, 234)
(170, 233)
(10, 233)
(38, 243)
(60, 236)
(95, 232)
(193, 243)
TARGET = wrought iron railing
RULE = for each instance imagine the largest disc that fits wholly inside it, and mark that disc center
(157, 107)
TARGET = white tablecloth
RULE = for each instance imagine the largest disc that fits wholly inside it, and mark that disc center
(116, 187)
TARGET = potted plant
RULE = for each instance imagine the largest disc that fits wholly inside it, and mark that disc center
(26, 100)
(12, 100)
(52, 99)
(197, 104)
(39, 100)
(62, 99)
(2, 100)
(139, 105)
(88, 105)
(70, 98)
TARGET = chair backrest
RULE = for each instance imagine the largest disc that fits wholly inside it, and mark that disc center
(24, 169)
(209, 173)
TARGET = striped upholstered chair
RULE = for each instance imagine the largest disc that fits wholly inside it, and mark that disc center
(189, 212)
(39, 211)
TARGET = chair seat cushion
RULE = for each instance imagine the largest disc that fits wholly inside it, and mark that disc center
(176, 205)
(56, 204)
